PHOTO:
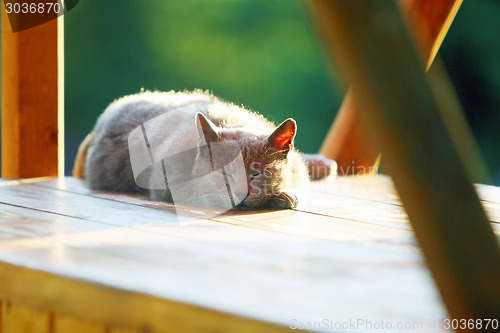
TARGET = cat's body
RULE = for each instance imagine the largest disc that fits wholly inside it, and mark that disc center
(272, 165)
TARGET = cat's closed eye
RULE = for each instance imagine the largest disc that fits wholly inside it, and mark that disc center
(255, 175)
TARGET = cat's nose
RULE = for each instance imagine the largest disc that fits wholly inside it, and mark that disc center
(284, 200)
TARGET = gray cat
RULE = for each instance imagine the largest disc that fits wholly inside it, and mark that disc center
(272, 167)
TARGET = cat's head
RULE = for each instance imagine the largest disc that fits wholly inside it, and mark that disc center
(270, 172)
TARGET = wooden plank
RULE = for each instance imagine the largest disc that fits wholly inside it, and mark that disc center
(360, 189)
(76, 185)
(338, 226)
(488, 193)
(111, 212)
(350, 193)
(19, 222)
(32, 100)
(449, 222)
(138, 311)
(18, 318)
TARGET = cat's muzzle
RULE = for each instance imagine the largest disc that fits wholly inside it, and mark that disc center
(282, 200)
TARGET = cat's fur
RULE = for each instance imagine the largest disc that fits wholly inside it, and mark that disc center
(272, 165)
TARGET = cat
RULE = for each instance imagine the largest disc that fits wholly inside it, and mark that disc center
(272, 166)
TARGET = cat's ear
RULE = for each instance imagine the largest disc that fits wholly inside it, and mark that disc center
(206, 128)
(282, 137)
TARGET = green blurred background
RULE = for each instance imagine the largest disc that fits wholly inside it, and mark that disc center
(264, 54)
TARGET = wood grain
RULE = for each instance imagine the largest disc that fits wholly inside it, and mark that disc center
(18, 318)
(66, 324)
(259, 268)
(137, 311)
(31, 100)
(121, 262)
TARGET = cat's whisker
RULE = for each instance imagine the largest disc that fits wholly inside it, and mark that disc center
(276, 152)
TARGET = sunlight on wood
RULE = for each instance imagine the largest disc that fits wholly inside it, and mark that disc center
(124, 263)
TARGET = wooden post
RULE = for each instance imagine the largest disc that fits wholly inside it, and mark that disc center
(346, 141)
(402, 115)
(32, 100)
(431, 21)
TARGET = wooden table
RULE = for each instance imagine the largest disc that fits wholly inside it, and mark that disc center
(72, 260)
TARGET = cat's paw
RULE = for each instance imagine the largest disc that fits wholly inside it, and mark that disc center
(284, 200)
(320, 167)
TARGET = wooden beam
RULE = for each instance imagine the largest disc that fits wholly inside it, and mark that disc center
(347, 142)
(32, 100)
(402, 115)
(431, 21)
(19, 318)
(103, 304)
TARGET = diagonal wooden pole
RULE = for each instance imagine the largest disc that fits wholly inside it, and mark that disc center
(431, 21)
(347, 141)
(403, 117)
